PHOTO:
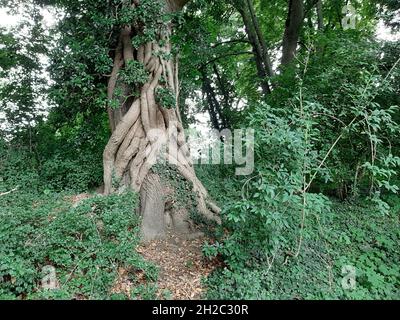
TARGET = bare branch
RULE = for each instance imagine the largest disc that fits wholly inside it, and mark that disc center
(227, 55)
(8, 192)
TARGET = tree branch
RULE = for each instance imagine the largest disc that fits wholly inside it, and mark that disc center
(229, 42)
(4, 193)
(225, 56)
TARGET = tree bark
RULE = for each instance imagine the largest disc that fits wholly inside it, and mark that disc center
(291, 36)
(217, 116)
(264, 48)
(146, 130)
(227, 101)
(256, 39)
(320, 16)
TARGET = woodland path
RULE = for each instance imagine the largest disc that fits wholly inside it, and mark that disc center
(181, 263)
(182, 266)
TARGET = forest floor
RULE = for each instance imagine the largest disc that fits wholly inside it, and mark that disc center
(181, 264)
(94, 246)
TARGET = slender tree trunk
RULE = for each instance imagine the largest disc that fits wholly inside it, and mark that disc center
(144, 129)
(320, 15)
(260, 53)
(214, 107)
(291, 36)
(264, 48)
(225, 93)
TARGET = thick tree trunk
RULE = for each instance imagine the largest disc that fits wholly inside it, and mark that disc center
(146, 129)
(291, 36)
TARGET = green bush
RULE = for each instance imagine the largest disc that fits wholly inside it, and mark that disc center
(86, 245)
(77, 174)
(334, 241)
(17, 168)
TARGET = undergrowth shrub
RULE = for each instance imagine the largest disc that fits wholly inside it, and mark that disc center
(336, 245)
(17, 169)
(86, 245)
(78, 174)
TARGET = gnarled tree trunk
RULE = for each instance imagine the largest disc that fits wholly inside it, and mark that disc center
(145, 128)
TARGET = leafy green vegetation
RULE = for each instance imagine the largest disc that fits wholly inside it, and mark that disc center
(135, 73)
(85, 244)
(317, 218)
(350, 235)
(165, 98)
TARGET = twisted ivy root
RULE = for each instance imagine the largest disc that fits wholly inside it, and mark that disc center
(135, 143)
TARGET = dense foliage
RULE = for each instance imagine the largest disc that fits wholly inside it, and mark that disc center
(322, 200)
(85, 244)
